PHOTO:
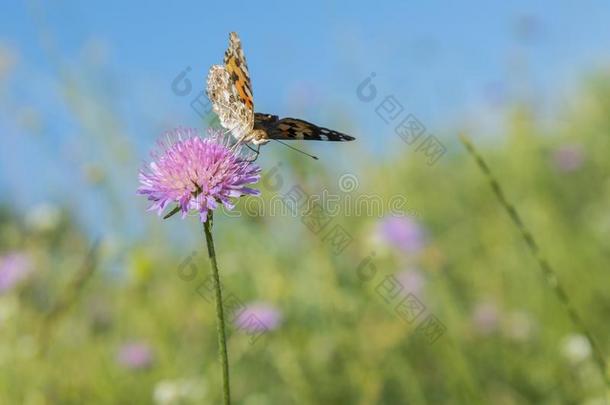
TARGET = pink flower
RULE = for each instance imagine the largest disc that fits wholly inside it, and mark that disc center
(568, 158)
(14, 268)
(197, 174)
(135, 355)
(258, 317)
(412, 281)
(402, 233)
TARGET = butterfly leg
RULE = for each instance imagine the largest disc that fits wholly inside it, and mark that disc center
(257, 152)
(239, 142)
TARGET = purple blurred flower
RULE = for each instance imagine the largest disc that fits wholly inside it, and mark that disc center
(568, 158)
(14, 268)
(402, 233)
(258, 317)
(196, 173)
(412, 281)
(135, 355)
(485, 318)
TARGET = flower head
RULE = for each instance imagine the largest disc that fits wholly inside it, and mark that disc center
(168, 392)
(135, 355)
(14, 268)
(412, 281)
(575, 347)
(403, 233)
(568, 158)
(258, 317)
(197, 174)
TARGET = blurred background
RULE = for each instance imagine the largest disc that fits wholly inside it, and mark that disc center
(412, 287)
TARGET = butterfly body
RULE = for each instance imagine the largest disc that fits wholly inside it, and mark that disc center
(230, 91)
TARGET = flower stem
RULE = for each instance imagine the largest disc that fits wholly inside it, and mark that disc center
(549, 273)
(220, 319)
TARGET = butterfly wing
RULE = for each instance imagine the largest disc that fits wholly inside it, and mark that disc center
(293, 128)
(235, 63)
(232, 113)
(230, 92)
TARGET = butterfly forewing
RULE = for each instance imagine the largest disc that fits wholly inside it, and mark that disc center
(293, 128)
(235, 63)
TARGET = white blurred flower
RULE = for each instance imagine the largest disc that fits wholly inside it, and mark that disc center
(575, 347)
(44, 217)
(165, 392)
(170, 392)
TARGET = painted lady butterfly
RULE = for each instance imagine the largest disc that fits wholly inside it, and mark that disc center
(230, 92)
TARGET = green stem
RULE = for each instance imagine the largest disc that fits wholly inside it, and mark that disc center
(549, 273)
(220, 318)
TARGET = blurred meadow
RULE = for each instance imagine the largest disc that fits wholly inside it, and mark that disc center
(412, 287)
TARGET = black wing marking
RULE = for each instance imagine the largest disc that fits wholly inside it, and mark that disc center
(293, 128)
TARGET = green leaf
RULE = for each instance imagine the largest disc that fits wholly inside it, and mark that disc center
(172, 212)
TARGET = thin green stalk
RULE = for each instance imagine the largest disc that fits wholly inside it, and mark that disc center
(220, 318)
(549, 273)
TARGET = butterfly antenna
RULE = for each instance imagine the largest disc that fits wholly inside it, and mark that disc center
(297, 150)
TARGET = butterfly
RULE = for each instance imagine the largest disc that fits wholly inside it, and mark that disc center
(230, 91)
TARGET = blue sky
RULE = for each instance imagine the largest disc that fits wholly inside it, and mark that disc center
(449, 63)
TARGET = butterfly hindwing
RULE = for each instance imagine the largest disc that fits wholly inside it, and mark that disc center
(230, 92)
(293, 128)
(232, 113)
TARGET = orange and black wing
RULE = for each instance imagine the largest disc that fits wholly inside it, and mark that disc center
(235, 63)
(293, 128)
